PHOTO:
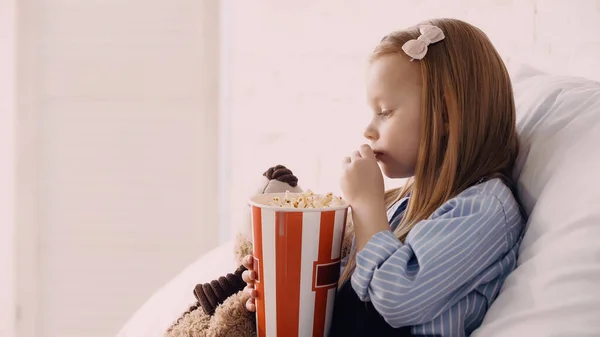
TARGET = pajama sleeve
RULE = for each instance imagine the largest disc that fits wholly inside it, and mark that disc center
(412, 283)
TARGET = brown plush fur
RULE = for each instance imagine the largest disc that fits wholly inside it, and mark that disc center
(243, 247)
(194, 324)
(231, 319)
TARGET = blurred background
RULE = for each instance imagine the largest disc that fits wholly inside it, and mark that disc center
(132, 131)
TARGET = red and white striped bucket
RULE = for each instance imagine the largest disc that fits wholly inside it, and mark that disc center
(297, 263)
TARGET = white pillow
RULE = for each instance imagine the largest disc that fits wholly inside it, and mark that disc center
(158, 313)
(555, 290)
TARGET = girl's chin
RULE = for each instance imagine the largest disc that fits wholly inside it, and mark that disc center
(385, 169)
(392, 174)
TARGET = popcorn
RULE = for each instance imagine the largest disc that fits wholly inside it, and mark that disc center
(307, 199)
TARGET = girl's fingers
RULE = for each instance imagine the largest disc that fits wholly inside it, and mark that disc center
(248, 276)
(248, 262)
(250, 291)
(250, 303)
(250, 306)
(366, 151)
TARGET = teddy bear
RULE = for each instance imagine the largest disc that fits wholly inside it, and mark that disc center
(220, 308)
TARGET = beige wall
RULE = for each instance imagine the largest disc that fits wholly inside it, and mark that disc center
(118, 174)
(7, 165)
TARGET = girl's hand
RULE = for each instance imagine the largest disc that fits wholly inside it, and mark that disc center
(362, 182)
(249, 276)
(362, 187)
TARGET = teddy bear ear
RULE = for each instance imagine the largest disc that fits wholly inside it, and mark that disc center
(276, 186)
(283, 174)
(277, 179)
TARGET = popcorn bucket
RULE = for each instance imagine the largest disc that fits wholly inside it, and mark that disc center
(297, 263)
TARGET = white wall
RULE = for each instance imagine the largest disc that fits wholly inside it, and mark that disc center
(122, 138)
(8, 155)
(297, 71)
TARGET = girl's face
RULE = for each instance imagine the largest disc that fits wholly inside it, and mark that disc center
(394, 94)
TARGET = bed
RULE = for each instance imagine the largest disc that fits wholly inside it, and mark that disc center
(555, 290)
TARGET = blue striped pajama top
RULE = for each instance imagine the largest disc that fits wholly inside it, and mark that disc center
(449, 270)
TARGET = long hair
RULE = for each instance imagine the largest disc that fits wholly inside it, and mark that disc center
(467, 122)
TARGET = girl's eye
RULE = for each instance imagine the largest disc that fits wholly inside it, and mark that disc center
(385, 113)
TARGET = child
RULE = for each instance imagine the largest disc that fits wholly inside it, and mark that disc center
(443, 115)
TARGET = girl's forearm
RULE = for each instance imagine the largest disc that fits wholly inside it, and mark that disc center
(367, 222)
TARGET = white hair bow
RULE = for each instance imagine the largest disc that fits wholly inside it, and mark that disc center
(417, 48)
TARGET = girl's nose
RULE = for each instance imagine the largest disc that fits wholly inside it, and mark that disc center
(370, 133)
